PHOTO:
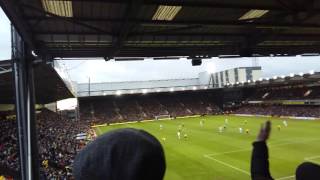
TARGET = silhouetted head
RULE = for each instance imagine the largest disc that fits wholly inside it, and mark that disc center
(124, 154)
(308, 171)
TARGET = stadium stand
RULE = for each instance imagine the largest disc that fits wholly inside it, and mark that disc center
(297, 100)
(280, 110)
(205, 28)
(57, 144)
(8, 146)
(286, 92)
(141, 107)
(56, 134)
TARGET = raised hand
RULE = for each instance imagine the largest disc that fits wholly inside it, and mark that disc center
(264, 131)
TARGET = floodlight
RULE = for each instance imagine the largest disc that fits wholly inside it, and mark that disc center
(301, 73)
(311, 72)
(291, 74)
(144, 91)
(275, 77)
(194, 88)
(118, 93)
(172, 89)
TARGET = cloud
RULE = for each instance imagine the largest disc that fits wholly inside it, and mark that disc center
(112, 71)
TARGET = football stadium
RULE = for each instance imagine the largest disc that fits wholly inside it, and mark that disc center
(159, 90)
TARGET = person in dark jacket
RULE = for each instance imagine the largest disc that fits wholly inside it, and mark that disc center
(260, 160)
(123, 154)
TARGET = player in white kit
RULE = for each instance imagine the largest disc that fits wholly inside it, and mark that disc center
(240, 130)
(285, 123)
(179, 134)
(201, 123)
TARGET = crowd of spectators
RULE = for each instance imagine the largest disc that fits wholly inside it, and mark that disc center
(57, 134)
(142, 107)
(9, 145)
(286, 93)
(280, 110)
(57, 144)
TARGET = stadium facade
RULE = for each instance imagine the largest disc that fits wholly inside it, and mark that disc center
(205, 80)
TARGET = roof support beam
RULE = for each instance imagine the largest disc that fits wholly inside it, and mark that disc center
(259, 35)
(202, 4)
(145, 22)
(185, 51)
(131, 12)
(225, 36)
(70, 20)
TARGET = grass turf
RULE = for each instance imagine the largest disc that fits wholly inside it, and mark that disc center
(209, 155)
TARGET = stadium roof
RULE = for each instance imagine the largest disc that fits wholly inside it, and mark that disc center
(308, 79)
(49, 86)
(153, 28)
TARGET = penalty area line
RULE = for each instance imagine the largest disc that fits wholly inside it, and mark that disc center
(270, 146)
(228, 165)
(312, 158)
(287, 177)
(241, 170)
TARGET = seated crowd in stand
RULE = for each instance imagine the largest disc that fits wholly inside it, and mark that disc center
(57, 144)
(142, 107)
(286, 93)
(57, 135)
(9, 145)
(280, 110)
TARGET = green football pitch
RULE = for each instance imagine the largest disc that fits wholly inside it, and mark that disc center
(207, 154)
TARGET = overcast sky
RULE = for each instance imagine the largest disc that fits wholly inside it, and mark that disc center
(5, 41)
(101, 71)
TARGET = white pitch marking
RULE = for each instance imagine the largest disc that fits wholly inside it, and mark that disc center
(241, 170)
(311, 158)
(228, 165)
(287, 177)
(271, 145)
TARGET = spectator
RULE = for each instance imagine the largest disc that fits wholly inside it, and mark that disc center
(260, 160)
(126, 154)
(280, 110)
